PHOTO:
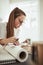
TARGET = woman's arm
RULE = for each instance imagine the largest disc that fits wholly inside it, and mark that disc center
(9, 40)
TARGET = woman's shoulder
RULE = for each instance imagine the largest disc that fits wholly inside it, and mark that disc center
(3, 26)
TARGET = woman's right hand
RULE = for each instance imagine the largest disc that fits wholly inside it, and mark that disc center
(9, 40)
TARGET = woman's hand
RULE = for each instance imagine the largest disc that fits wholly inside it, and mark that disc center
(3, 41)
(16, 42)
(27, 41)
(9, 40)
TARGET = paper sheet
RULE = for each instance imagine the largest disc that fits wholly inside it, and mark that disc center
(4, 55)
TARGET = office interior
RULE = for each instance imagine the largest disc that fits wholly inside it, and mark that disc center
(31, 29)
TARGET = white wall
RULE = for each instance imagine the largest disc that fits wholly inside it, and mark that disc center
(4, 9)
(41, 20)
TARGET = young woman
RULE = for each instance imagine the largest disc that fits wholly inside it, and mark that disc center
(15, 21)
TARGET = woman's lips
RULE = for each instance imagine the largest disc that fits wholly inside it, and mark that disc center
(18, 25)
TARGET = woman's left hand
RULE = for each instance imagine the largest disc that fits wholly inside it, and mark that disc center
(16, 43)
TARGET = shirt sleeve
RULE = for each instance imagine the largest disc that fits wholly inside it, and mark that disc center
(3, 30)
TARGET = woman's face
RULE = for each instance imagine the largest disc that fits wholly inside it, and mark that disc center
(18, 21)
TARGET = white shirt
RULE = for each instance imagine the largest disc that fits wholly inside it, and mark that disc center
(3, 30)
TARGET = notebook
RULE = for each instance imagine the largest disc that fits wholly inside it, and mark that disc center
(5, 57)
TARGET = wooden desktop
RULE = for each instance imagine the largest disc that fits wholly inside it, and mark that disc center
(38, 52)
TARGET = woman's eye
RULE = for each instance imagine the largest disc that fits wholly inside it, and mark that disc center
(20, 21)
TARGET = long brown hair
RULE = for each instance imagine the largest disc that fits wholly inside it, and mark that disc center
(10, 25)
